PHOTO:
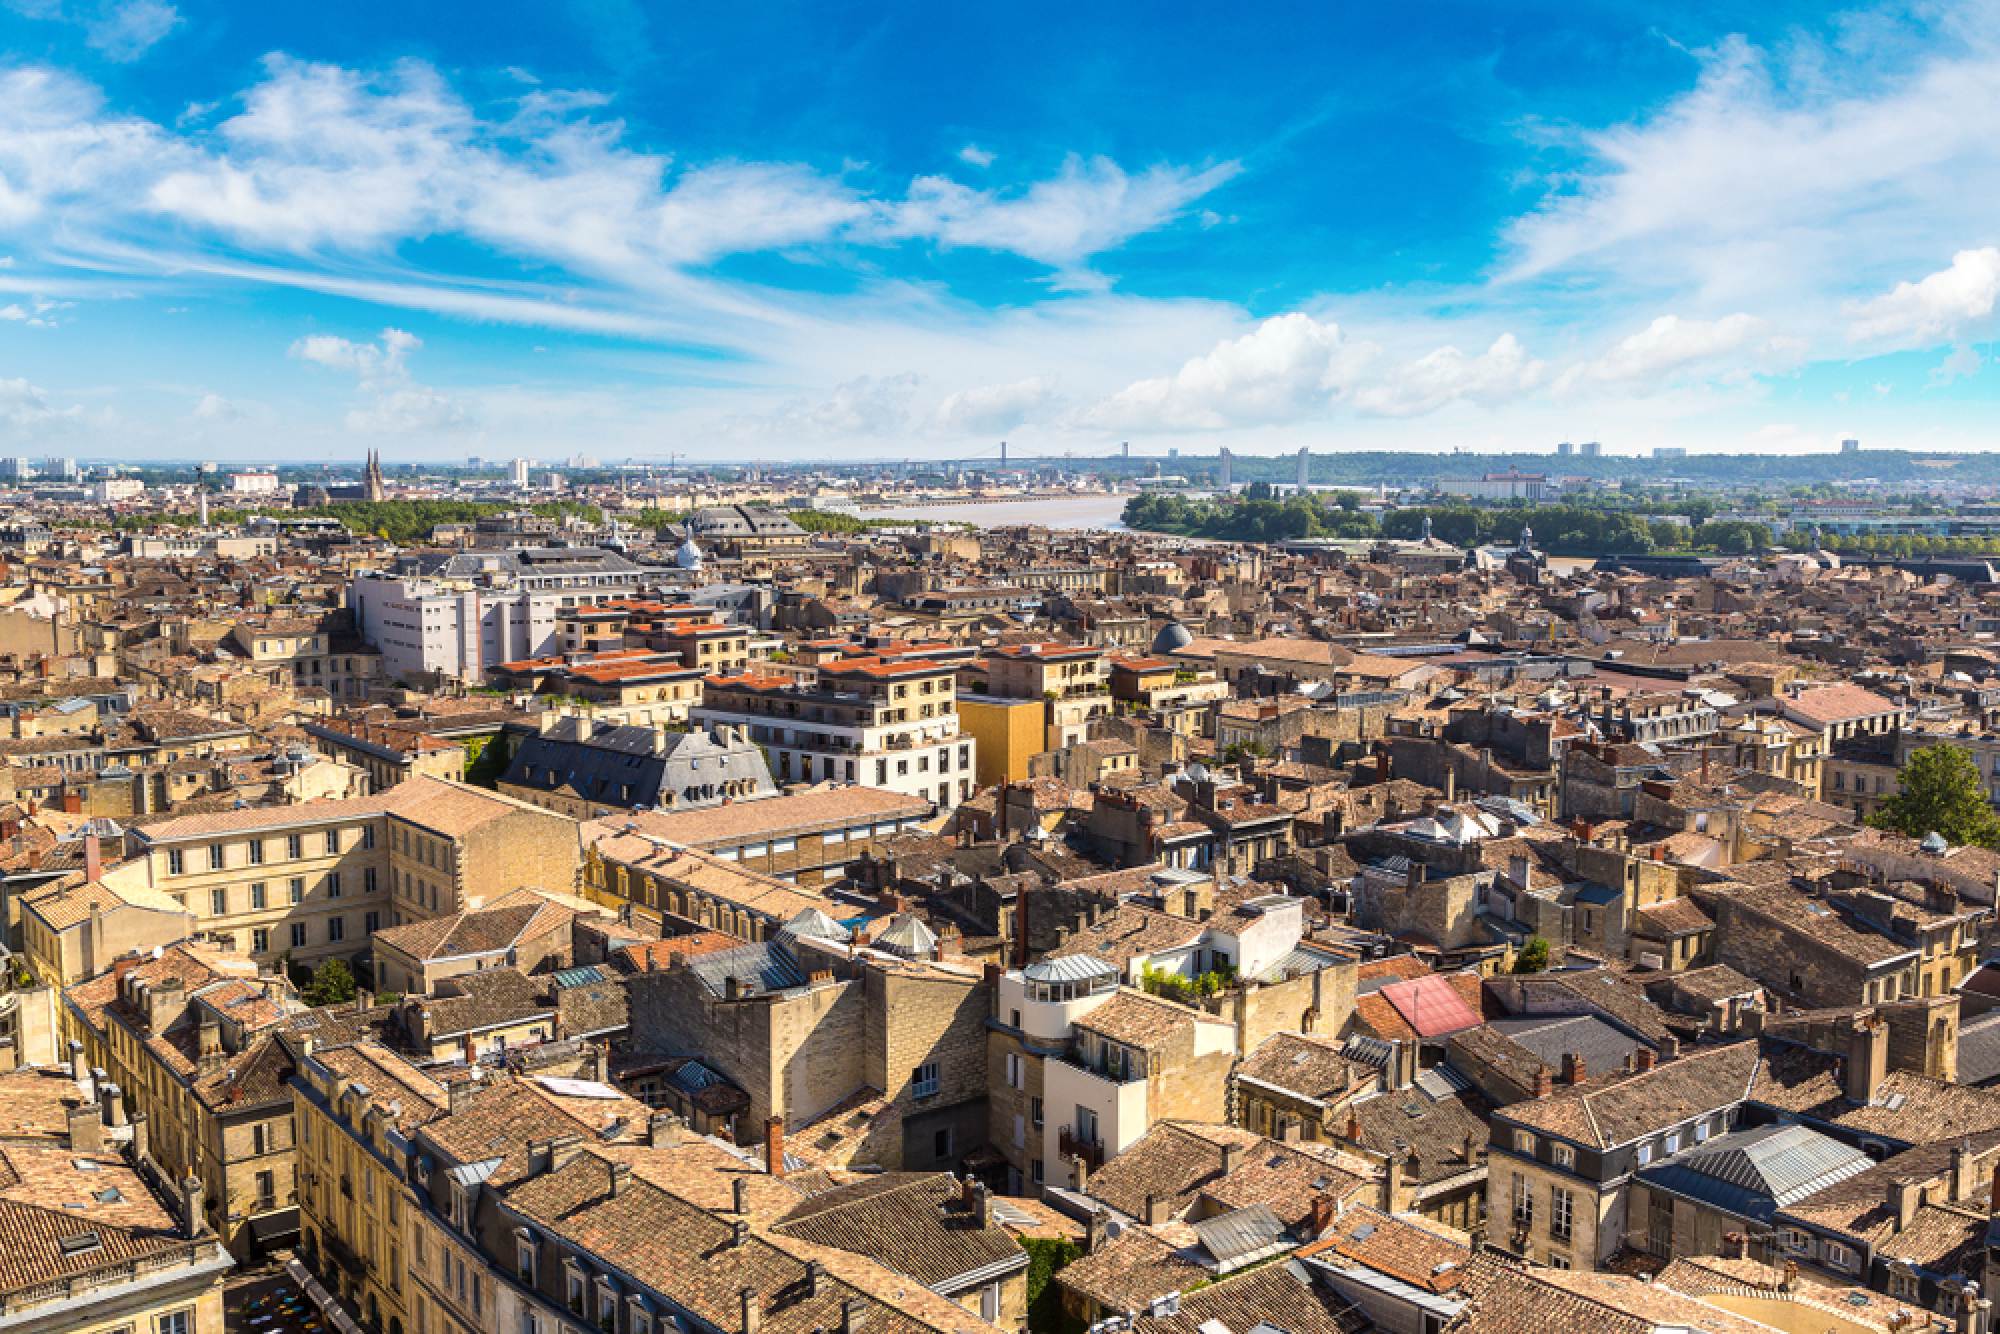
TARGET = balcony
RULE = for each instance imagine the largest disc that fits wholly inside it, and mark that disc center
(1072, 1145)
(340, 1253)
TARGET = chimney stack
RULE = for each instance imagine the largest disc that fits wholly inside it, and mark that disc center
(191, 1217)
(1544, 1082)
(93, 859)
(743, 1195)
(86, 1128)
(774, 1145)
(815, 1279)
(1575, 1070)
(853, 1314)
(1644, 1057)
(621, 1177)
(752, 1310)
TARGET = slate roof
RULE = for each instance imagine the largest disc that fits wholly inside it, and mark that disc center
(917, 1224)
(1753, 1173)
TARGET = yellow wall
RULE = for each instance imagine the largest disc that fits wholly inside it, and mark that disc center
(1008, 732)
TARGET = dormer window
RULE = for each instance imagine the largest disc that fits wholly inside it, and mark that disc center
(524, 1257)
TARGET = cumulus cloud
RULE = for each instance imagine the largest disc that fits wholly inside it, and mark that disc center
(390, 402)
(993, 408)
(26, 414)
(1937, 308)
(214, 407)
(1500, 374)
(1289, 367)
(124, 32)
(1733, 347)
(976, 155)
(1964, 361)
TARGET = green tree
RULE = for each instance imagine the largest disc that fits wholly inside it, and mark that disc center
(1258, 491)
(1534, 956)
(1941, 794)
(332, 984)
(1347, 500)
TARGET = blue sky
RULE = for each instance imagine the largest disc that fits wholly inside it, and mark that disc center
(847, 231)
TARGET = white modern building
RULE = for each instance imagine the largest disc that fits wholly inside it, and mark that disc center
(456, 615)
(891, 724)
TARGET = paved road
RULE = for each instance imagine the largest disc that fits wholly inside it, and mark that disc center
(268, 1302)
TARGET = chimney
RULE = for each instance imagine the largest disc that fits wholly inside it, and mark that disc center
(1353, 1133)
(853, 1314)
(77, 1069)
(741, 1236)
(815, 1279)
(1323, 1213)
(114, 1104)
(93, 859)
(753, 1310)
(1734, 1245)
(774, 1145)
(1644, 1057)
(1096, 1230)
(1156, 1209)
(1080, 1171)
(1471, 1148)
(621, 1177)
(1961, 1171)
(1392, 1183)
(1232, 1159)
(1867, 1060)
(663, 1130)
(86, 1128)
(141, 1142)
(191, 1216)
(982, 1205)
(1670, 1047)
(1908, 1197)
(1545, 1083)
(743, 1195)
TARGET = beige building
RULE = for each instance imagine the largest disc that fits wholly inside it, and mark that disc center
(314, 881)
(802, 839)
(114, 1257)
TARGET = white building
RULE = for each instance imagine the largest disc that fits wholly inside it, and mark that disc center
(253, 483)
(456, 615)
(518, 472)
(1501, 486)
(111, 490)
(889, 724)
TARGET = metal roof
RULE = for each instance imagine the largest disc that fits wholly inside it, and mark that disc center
(1069, 968)
(1431, 1006)
(763, 966)
(1236, 1238)
(1754, 1173)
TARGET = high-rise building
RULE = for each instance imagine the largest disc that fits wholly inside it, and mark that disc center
(518, 472)
(1670, 452)
(1305, 467)
(1850, 446)
(1565, 449)
(1225, 470)
(62, 470)
(16, 470)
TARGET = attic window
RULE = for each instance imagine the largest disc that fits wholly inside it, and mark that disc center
(80, 1243)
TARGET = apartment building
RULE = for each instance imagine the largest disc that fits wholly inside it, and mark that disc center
(91, 1244)
(1071, 680)
(313, 881)
(804, 838)
(882, 722)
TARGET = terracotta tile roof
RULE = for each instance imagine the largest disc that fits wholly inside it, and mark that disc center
(915, 1223)
(1393, 1246)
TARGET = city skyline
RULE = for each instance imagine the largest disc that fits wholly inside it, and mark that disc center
(799, 234)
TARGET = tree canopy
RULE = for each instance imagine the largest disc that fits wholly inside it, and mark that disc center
(1941, 793)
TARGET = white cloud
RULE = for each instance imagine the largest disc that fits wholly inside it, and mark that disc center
(990, 409)
(25, 414)
(976, 155)
(864, 407)
(1667, 345)
(1090, 207)
(214, 407)
(1500, 374)
(390, 402)
(1289, 367)
(1940, 307)
(124, 32)
(1964, 361)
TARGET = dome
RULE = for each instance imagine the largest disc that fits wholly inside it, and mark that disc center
(689, 556)
(1173, 637)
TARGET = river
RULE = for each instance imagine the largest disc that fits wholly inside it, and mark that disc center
(1092, 511)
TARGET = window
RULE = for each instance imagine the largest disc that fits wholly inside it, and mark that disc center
(371, 922)
(267, 1188)
(1557, 1260)
(1035, 1110)
(1673, 1144)
(258, 900)
(333, 884)
(256, 851)
(941, 1143)
(298, 934)
(367, 838)
(1524, 1142)
(295, 846)
(1837, 1257)
(215, 858)
(296, 888)
(1644, 1154)
(1086, 1124)
(1701, 1132)
(176, 862)
(332, 842)
(1035, 1171)
(1524, 1201)
(1562, 1213)
(260, 1139)
(260, 941)
(180, 1322)
(336, 929)
(924, 1080)
(1565, 1156)
(367, 880)
(218, 901)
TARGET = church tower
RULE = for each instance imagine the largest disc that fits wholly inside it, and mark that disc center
(371, 484)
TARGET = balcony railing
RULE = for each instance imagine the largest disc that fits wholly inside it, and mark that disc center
(74, 1286)
(1073, 1145)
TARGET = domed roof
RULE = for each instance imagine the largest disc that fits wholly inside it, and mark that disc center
(689, 556)
(907, 936)
(1173, 637)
